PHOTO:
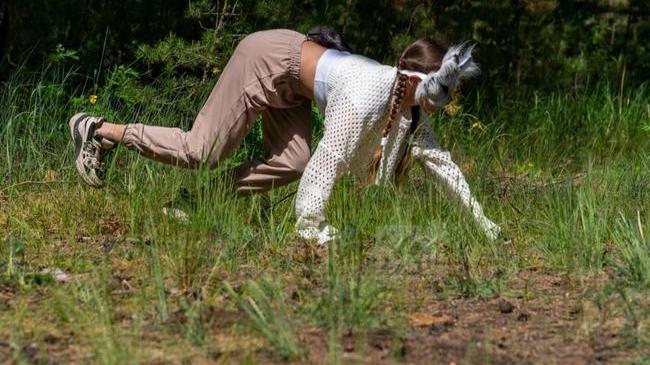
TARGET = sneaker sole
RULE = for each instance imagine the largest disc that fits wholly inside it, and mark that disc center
(77, 138)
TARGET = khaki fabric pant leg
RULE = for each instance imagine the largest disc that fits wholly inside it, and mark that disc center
(287, 140)
(260, 78)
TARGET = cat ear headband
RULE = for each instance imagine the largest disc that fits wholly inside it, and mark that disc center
(457, 64)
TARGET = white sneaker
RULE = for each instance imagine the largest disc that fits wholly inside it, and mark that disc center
(89, 149)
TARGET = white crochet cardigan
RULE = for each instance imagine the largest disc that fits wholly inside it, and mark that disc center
(358, 94)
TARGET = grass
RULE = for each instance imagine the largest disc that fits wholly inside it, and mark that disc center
(565, 174)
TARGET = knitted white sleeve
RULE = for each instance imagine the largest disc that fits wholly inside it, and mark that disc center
(358, 93)
(342, 128)
(438, 161)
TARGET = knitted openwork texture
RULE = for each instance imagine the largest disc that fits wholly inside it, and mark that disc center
(359, 93)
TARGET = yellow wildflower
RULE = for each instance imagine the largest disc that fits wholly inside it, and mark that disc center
(452, 109)
(50, 175)
(215, 70)
(92, 99)
(478, 125)
(454, 106)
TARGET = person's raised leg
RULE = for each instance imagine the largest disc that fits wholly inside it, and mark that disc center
(287, 140)
(218, 129)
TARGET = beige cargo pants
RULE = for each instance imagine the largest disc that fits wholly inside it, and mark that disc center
(261, 78)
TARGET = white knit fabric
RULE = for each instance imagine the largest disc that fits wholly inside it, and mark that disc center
(326, 63)
(358, 94)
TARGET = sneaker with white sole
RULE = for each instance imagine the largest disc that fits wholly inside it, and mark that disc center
(90, 150)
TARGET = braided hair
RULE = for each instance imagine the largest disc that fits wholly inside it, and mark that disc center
(397, 96)
(424, 56)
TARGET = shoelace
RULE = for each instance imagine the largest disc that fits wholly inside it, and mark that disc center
(91, 154)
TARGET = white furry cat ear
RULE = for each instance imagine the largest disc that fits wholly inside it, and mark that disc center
(426, 87)
(468, 68)
(457, 64)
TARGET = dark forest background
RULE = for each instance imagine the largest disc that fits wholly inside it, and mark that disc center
(180, 45)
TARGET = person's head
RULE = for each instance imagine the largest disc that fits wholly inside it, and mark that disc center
(419, 58)
(427, 73)
(423, 56)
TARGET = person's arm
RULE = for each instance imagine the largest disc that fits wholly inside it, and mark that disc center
(438, 161)
(343, 126)
(314, 191)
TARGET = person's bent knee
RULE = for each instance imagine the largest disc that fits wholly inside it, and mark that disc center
(199, 159)
(287, 171)
(201, 152)
(299, 165)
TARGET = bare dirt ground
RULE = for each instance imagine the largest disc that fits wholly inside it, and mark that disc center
(555, 327)
(541, 318)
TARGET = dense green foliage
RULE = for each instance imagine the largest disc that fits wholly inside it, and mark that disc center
(523, 44)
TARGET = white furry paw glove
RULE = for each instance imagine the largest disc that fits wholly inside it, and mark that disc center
(323, 235)
(491, 230)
